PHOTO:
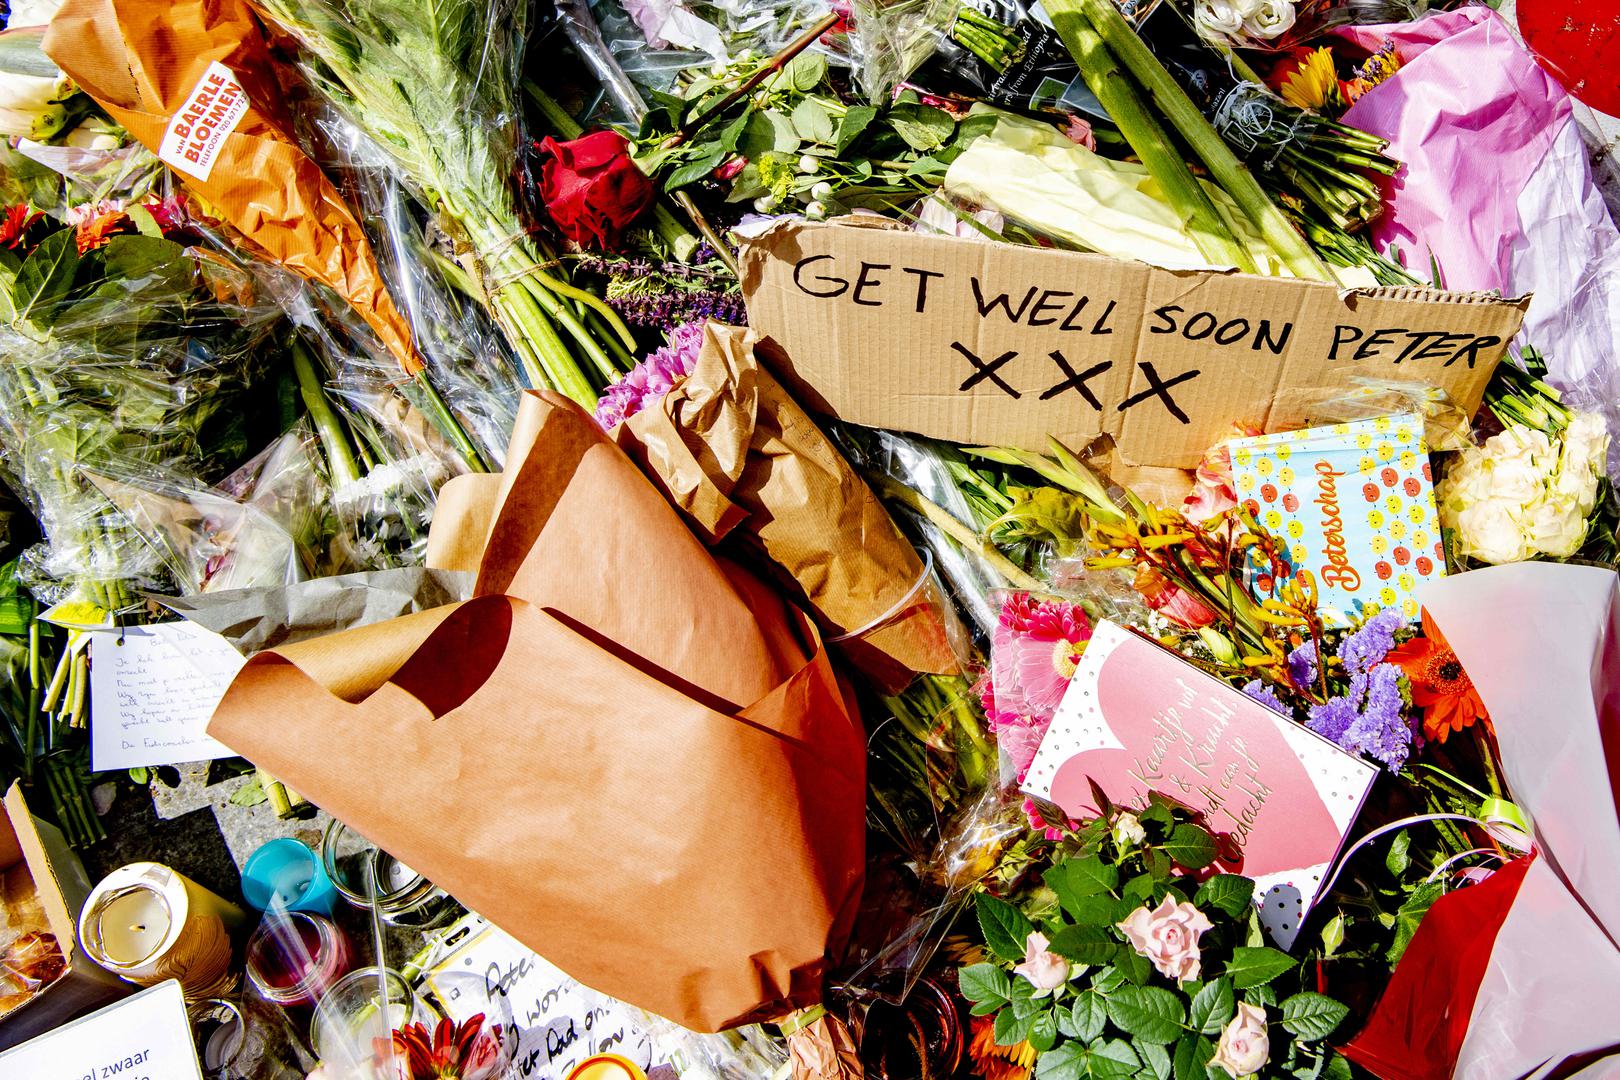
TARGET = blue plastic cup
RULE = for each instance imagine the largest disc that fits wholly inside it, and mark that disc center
(284, 873)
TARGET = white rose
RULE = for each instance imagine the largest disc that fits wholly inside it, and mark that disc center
(1128, 831)
(1516, 480)
(1555, 527)
(1219, 19)
(1586, 445)
(33, 12)
(1489, 531)
(1272, 19)
(1524, 444)
(1245, 1047)
(1465, 483)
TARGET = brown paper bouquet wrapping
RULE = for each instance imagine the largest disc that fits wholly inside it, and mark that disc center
(631, 756)
(747, 465)
(141, 60)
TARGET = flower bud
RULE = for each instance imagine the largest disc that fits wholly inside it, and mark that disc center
(809, 164)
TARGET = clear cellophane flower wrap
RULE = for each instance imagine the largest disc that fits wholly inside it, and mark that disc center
(142, 62)
(748, 467)
(628, 754)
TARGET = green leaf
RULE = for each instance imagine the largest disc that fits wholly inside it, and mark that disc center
(1086, 944)
(1067, 1062)
(1338, 1068)
(1088, 1016)
(143, 220)
(1099, 910)
(1043, 1031)
(1090, 876)
(1134, 966)
(733, 133)
(803, 73)
(1192, 1054)
(1410, 915)
(45, 278)
(1004, 927)
(1212, 1007)
(1190, 846)
(1397, 860)
(856, 117)
(1114, 1058)
(1256, 966)
(142, 775)
(1231, 893)
(1149, 1013)
(249, 794)
(1264, 995)
(1157, 863)
(1157, 1058)
(1139, 887)
(1012, 1029)
(1108, 980)
(767, 132)
(923, 127)
(812, 121)
(985, 983)
(1312, 1016)
(1158, 811)
(709, 155)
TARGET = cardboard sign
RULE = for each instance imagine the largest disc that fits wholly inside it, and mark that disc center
(996, 344)
(144, 1037)
(1354, 505)
(1137, 718)
(152, 690)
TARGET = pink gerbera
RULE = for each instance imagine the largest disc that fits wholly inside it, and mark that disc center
(1033, 654)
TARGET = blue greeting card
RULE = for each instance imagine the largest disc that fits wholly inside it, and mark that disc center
(1353, 504)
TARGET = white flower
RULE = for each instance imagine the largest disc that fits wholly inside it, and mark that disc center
(32, 12)
(1523, 444)
(765, 204)
(1489, 531)
(1273, 19)
(1516, 480)
(809, 164)
(1219, 19)
(1245, 1047)
(821, 190)
(816, 211)
(1128, 831)
(1555, 526)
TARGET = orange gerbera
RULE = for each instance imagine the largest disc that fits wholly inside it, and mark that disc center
(1440, 686)
(992, 1061)
(15, 223)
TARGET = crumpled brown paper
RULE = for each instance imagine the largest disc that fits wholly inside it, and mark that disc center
(748, 466)
(629, 755)
(141, 59)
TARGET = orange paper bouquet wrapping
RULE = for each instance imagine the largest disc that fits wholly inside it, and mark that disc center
(204, 65)
(747, 465)
(629, 755)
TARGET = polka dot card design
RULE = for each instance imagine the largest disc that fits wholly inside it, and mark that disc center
(1137, 718)
(1353, 504)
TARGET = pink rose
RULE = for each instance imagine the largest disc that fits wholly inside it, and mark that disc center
(1168, 935)
(1046, 971)
(1244, 1046)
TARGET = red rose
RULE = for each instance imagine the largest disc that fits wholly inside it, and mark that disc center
(592, 189)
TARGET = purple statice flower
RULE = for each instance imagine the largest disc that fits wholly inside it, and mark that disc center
(651, 379)
(1302, 664)
(1369, 645)
(1332, 718)
(1260, 692)
(1381, 731)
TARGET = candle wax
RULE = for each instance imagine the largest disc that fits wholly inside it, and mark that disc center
(133, 927)
(222, 1045)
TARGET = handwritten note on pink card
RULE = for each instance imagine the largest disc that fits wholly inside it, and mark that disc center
(1137, 718)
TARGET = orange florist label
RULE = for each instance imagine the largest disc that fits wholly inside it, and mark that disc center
(209, 113)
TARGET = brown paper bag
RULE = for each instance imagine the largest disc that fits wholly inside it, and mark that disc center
(147, 61)
(621, 751)
(746, 465)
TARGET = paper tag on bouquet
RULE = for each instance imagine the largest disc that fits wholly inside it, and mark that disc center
(1352, 503)
(1137, 719)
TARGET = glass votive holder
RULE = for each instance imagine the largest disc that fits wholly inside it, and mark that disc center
(246, 1039)
(286, 874)
(295, 957)
(359, 870)
(367, 1004)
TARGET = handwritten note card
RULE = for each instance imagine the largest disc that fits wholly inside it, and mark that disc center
(144, 1037)
(152, 690)
(559, 1022)
(1137, 718)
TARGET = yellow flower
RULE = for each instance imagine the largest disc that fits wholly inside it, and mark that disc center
(1314, 83)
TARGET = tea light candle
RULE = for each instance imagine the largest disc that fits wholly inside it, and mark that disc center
(223, 1044)
(134, 924)
(147, 923)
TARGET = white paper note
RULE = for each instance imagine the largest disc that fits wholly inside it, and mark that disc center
(144, 1037)
(559, 1022)
(152, 690)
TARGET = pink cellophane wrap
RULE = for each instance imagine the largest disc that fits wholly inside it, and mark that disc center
(1496, 186)
(1542, 643)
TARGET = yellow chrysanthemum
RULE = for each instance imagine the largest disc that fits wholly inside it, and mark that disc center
(1314, 83)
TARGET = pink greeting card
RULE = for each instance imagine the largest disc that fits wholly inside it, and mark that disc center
(1138, 718)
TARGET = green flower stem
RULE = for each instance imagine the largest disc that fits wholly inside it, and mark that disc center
(328, 428)
(1151, 143)
(940, 517)
(437, 411)
(1186, 117)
